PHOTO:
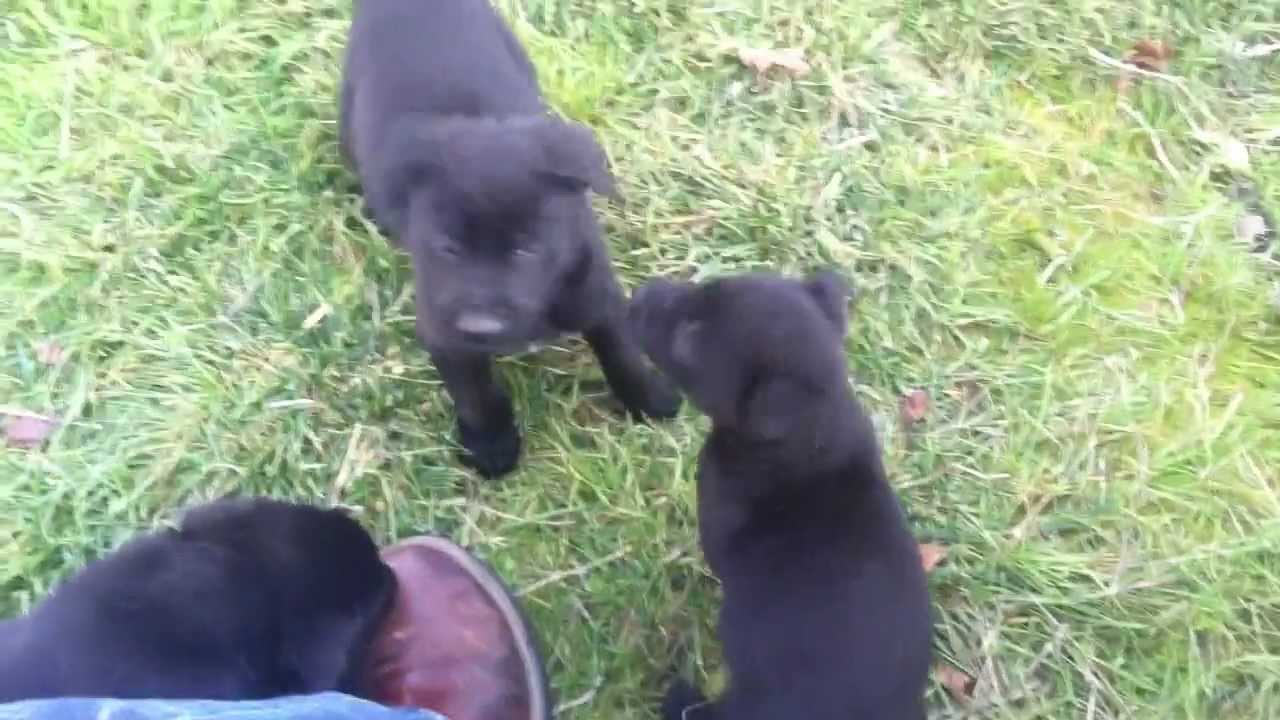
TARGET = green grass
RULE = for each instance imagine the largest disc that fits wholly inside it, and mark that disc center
(1102, 454)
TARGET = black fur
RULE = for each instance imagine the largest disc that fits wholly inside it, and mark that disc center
(247, 598)
(826, 610)
(461, 162)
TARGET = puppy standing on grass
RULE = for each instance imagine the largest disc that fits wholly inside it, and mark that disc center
(826, 609)
(462, 164)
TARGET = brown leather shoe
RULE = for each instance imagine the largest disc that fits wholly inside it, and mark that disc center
(455, 642)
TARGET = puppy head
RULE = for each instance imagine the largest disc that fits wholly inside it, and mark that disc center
(496, 217)
(331, 587)
(754, 352)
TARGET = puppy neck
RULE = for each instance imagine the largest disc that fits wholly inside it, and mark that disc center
(828, 436)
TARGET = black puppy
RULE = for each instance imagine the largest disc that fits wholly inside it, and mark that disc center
(826, 611)
(462, 164)
(246, 599)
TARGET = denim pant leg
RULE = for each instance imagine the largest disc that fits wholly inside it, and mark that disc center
(324, 706)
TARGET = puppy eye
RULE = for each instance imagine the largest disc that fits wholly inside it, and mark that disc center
(448, 248)
(525, 252)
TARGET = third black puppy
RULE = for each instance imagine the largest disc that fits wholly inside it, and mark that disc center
(462, 164)
(246, 599)
(826, 610)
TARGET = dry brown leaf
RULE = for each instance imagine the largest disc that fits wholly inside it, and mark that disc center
(1149, 55)
(915, 405)
(28, 431)
(958, 683)
(762, 60)
(50, 352)
(931, 554)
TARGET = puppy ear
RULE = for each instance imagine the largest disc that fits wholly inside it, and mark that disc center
(406, 160)
(832, 294)
(387, 198)
(573, 159)
(771, 407)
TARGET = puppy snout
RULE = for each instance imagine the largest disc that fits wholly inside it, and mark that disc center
(480, 323)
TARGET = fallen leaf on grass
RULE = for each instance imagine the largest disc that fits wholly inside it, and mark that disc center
(1150, 55)
(50, 352)
(1231, 152)
(28, 431)
(958, 683)
(1255, 51)
(316, 316)
(931, 554)
(965, 391)
(1256, 225)
(915, 405)
(1252, 229)
(697, 223)
(762, 60)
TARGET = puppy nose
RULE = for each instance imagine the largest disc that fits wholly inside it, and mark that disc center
(480, 323)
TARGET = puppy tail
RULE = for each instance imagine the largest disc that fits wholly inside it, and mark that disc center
(686, 702)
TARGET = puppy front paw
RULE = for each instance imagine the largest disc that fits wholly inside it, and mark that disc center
(653, 397)
(683, 701)
(490, 452)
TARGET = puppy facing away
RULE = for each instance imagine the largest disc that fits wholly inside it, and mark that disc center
(246, 599)
(826, 609)
(462, 164)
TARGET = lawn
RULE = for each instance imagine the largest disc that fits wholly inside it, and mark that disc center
(1054, 258)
